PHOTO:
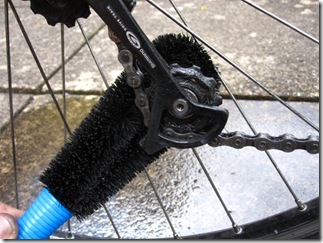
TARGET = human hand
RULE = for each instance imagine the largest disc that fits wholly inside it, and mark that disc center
(8, 221)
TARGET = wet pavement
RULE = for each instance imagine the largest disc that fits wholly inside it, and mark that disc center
(276, 56)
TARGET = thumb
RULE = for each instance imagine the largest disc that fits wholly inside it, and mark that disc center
(8, 226)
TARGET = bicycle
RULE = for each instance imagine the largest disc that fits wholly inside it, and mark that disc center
(312, 207)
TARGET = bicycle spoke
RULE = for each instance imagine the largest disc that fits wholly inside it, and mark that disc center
(301, 206)
(236, 228)
(245, 73)
(284, 22)
(12, 127)
(178, 12)
(63, 78)
(69, 229)
(39, 65)
(175, 235)
(93, 55)
(112, 221)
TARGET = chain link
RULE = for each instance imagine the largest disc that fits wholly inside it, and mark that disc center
(264, 141)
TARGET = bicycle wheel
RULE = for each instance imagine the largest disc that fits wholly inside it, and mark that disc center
(201, 193)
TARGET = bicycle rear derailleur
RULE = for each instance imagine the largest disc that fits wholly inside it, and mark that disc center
(182, 125)
(180, 105)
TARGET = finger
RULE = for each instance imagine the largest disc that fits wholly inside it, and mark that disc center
(8, 226)
(16, 213)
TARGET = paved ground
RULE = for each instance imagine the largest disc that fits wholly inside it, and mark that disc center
(249, 38)
(278, 57)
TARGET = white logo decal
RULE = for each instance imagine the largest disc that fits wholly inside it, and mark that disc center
(133, 39)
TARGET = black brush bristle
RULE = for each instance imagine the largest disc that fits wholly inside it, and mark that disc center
(186, 51)
(103, 153)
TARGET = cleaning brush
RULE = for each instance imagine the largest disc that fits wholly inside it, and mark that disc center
(103, 154)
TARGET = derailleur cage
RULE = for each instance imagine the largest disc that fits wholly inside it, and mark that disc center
(193, 116)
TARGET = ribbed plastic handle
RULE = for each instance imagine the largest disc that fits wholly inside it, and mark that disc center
(43, 217)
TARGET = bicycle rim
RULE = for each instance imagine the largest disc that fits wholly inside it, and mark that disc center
(205, 192)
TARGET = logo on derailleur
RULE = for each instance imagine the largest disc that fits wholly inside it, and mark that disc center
(133, 40)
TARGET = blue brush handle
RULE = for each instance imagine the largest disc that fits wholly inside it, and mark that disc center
(43, 217)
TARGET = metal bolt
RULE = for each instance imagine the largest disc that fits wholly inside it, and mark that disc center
(180, 107)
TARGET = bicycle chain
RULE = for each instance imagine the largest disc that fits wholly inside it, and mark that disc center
(264, 141)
